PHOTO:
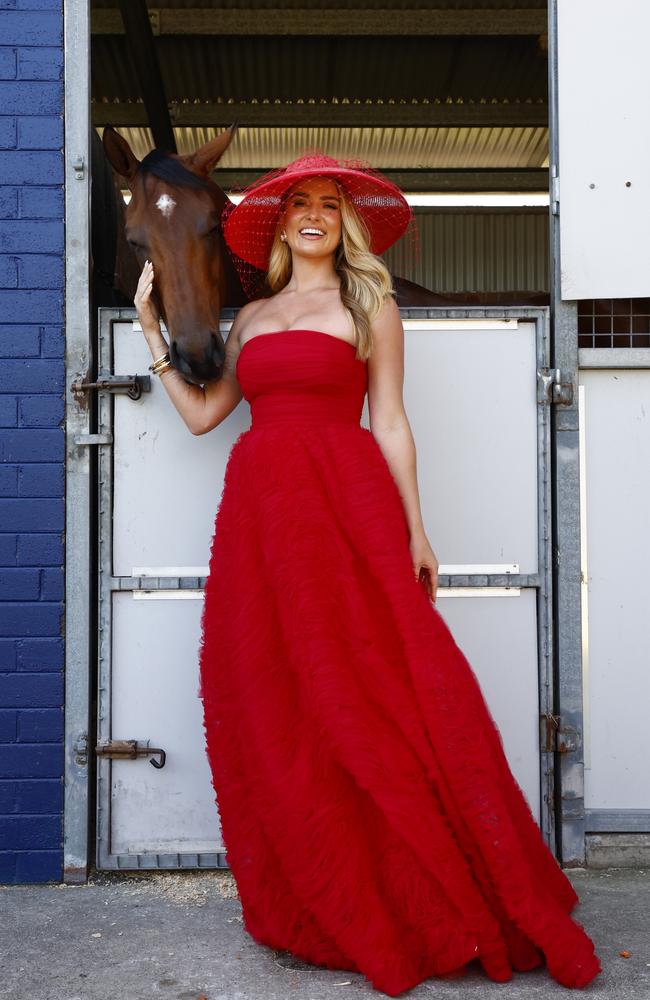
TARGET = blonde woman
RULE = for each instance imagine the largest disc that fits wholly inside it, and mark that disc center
(371, 820)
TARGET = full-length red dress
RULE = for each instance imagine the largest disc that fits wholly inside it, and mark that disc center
(369, 814)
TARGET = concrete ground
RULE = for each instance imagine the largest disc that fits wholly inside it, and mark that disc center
(179, 936)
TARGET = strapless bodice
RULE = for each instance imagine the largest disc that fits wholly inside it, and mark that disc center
(301, 376)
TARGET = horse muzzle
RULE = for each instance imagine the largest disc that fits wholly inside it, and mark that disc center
(198, 365)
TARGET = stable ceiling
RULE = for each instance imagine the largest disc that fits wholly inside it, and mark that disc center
(442, 96)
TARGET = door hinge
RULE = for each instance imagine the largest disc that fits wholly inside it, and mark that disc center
(556, 736)
(129, 750)
(551, 388)
(555, 192)
(129, 385)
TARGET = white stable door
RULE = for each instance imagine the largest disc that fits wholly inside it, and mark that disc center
(470, 392)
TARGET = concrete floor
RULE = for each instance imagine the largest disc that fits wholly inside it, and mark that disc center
(179, 936)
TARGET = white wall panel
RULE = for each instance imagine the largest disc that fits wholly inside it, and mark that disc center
(604, 147)
(616, 556)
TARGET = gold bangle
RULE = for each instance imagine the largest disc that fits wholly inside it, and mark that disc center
(161, 367)
(159, 364)
(163, 357)
(165, 368)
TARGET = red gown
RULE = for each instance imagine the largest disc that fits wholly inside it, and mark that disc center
(370, 817)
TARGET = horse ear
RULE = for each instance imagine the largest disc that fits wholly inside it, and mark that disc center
(206, 157)
(119, 153)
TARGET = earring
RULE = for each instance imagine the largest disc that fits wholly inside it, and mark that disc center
(283, 237)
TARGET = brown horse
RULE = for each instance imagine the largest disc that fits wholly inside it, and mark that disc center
(173, 219)
(409, 294)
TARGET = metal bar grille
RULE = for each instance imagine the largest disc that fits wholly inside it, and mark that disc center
(609, 323)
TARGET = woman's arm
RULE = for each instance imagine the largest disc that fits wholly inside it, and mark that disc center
(201, 407)
(390, 427)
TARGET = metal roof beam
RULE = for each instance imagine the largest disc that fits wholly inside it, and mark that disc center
(414, 181)
(134, 17)
(346, 21)
(341, 114)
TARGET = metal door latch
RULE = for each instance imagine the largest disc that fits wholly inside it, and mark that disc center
(551, 388)
(130, 385)
(87, 440)
(556, 735)
(129, 750)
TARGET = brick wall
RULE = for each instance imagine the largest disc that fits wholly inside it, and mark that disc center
(31, 440)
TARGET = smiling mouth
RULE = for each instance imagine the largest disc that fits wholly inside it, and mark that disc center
(311, 232)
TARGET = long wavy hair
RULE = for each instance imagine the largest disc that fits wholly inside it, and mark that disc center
(366, 282)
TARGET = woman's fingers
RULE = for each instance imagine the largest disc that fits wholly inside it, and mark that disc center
(143, 300)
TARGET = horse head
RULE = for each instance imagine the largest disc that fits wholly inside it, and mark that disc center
(173, 219)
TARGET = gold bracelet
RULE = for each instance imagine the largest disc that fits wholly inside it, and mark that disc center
(159, 361)
(161, 366)
(165, 368)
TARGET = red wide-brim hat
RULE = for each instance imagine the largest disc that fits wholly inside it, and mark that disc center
(249, 227)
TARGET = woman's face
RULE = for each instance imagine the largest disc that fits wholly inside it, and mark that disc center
(312, 217)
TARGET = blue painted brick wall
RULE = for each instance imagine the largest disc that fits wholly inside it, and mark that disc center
(31, 440)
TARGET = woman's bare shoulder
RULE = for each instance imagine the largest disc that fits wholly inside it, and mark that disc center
(248, 314)
(389, 314)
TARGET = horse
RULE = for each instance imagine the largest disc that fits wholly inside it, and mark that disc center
(174, 219)
(409, 294)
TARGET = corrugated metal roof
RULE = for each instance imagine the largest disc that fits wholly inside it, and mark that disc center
(465, 251)
(209, 68)
(387, 149)
(501, 70)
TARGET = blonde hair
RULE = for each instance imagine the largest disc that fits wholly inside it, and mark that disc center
(366, 282)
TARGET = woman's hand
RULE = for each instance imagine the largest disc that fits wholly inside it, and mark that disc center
(147, 312)
(425, 563)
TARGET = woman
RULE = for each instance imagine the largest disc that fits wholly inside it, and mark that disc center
(371, 820)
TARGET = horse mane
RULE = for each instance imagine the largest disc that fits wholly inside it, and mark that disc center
(168, 168)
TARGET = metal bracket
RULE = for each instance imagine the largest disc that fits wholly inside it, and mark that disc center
(80, 749)
(556, 736)
(129, 750)
(79, 167)
(551, 388)
(88, 440)
(130, 385)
